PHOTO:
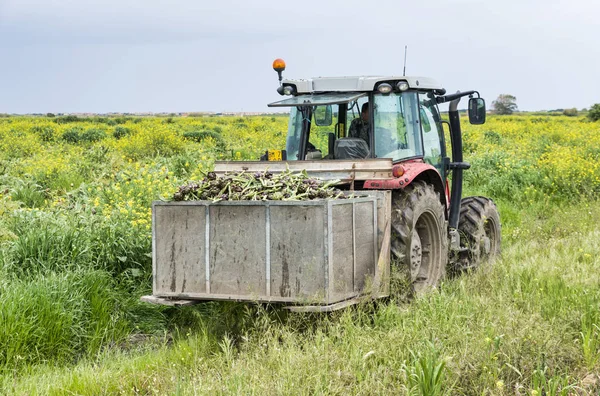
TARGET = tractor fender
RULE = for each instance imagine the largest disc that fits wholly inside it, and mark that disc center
(413, 171)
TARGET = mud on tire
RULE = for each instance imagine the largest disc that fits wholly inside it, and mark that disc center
(480, 232)
(419, 235)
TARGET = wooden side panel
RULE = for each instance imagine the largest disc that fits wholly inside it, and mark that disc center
(365, 242)
(384, 206)
(342, 272)
(384, 224)
(298, 256)
(179, 248)
(384, 217)
(305, 252)
(237, 250)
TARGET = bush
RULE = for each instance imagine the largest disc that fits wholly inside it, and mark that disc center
(106, 120)
(73, 135)
(122, 120)
(77, 135)
(594, 112)
(16, 143)
(492, 137)
(121, 132)
(150, 142)
(200, 136)
(571, 112)
(93, 135)
(46, 133)
(67, 119)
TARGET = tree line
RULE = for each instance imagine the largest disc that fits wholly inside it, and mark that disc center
(506, 104)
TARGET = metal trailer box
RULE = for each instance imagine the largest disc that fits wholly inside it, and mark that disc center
(319, 252)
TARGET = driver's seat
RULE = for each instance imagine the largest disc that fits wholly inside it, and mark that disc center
(351, 148)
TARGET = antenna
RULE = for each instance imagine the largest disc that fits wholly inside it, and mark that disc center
(404, 72)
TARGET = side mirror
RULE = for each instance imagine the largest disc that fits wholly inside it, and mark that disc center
(323, 115)
(476, 111)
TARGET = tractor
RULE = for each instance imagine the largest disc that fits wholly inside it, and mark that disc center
(382, 139)
(433, 228)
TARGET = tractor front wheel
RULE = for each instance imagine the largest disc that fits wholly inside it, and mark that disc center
(419, 235)
(480, 234)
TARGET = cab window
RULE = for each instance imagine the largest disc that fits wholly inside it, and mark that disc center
(397, 126)
(318, 147)
(433, 133)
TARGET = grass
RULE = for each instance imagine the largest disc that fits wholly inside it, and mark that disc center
(528, 323)
(57, 317)
(74, 259)
(590, 339)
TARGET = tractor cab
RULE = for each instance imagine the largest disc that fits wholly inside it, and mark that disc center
(381, 118)
(369, 117)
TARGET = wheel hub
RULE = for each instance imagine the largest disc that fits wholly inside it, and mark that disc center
(416, 255)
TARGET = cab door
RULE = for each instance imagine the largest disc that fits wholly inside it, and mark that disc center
(433, 134)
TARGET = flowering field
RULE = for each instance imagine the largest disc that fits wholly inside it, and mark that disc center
(75, 245)
(529, 158)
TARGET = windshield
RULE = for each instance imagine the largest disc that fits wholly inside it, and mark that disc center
(397, 129)
(394, 120)
(321, 138)
(318, 146)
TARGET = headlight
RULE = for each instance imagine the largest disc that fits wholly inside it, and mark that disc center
(384, 88)
(402, 85)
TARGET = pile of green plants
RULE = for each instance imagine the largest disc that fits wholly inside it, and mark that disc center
(265, 186)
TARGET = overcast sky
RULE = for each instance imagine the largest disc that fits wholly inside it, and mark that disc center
(197, 55)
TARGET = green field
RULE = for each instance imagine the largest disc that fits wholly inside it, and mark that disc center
(75, 247)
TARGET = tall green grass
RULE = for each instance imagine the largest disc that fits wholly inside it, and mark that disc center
(72, 271)
(57, 318)
(70, 283)
(528, 323)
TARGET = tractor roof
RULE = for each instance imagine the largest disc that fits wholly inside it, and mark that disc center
(357, 83)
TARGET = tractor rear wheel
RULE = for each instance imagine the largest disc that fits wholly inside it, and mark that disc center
(419, 235)
(480, 232)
